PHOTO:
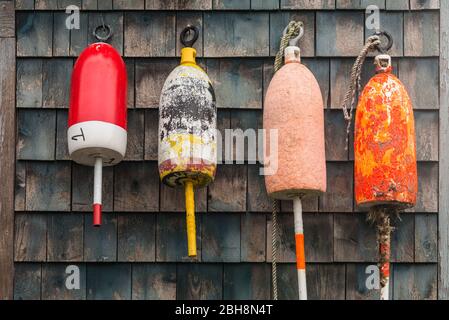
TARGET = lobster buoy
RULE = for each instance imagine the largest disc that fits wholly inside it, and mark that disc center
(384, 148)
(294, 108)
(385, 170)
(97, 116)
(187, 130)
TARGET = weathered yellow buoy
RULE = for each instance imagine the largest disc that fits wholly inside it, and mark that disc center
(187, 130)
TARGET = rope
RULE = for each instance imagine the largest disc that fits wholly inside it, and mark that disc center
(372, 43)
(293, 30)
(274, 244)
(381, 217)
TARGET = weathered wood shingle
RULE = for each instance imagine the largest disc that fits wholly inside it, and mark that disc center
(34, 34)
(339, 33)
(237, 83)
(171, 244)
(53, 283)
(136, 237)
(36, 134)
(150, 34)
(305, 4)
(48, 186)
(246, 282)
(279, 20)
(108, 282)
(154, 282)
(228, 35)
(199, 281)
(136, 187)
(228, 192)
(65, 237)
(100, 244)
(220, 238)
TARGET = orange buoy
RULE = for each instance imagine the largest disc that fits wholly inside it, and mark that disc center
(384, 148)
(294, 109)
(385, 171)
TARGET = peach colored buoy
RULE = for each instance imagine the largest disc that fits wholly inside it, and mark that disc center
(294, 108)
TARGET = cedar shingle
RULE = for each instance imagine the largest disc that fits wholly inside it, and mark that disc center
(219, 41)
(339, 33)
(149, 34)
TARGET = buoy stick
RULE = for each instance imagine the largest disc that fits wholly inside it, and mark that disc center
(381, 216)
(190, 216)
(385, 253)
(385, 270)
(98, 168)
(300, 256)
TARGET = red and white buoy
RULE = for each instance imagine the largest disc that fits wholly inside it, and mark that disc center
(97, 116)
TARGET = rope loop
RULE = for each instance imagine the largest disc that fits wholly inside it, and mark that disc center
(384, 49)
(372, 44)
(274, 248)
(290, 37)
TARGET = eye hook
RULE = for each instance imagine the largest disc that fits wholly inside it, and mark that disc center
(389, 45)
(185, 34)
(108, 32)
(294, 41)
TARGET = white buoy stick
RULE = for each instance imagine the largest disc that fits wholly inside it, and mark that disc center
(384, 291)
(300, 256)
(98, 168)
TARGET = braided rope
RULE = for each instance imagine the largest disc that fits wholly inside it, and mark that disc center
(293, 29)
(274, 244)
(381, 217)
(371, 44)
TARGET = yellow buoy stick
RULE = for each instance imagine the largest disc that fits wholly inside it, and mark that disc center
(190, 215)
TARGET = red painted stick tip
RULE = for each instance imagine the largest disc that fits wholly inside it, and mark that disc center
(97, 215)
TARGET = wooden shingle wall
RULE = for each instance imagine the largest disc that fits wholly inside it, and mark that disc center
(7, 146)
(140, 251)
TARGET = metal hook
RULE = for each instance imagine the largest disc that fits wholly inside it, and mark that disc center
(294, 41)
(108, 32)
(185, 34)
(385, 49)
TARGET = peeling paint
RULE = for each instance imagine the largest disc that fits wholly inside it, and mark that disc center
(187, 128)
(385, 147)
